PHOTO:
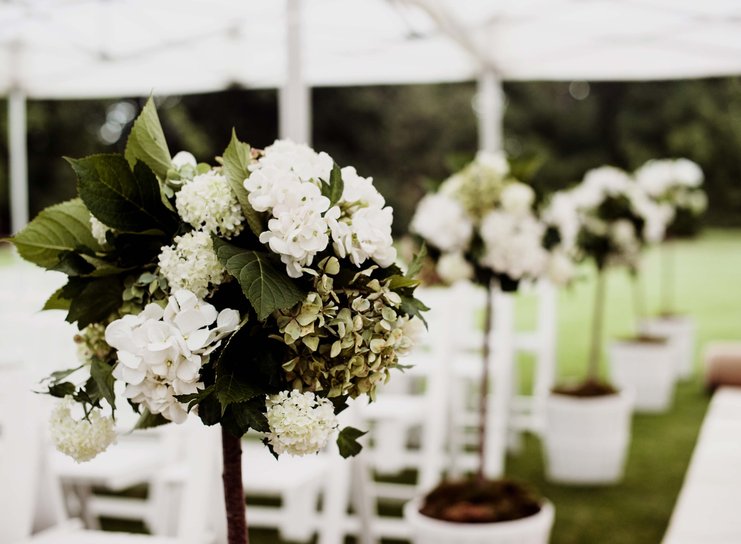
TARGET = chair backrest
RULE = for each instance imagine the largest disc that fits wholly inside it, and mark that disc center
(20, 441)
(202, 482)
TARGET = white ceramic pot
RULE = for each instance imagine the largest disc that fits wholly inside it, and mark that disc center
(648, 369)
(531, 530)
(681, 333)
(586, 439)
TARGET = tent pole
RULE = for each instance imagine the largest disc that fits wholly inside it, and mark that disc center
(490, 111)
(294, 100)
(18, 154)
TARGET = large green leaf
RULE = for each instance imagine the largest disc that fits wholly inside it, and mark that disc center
(54, 232)
(236, 160)
(147, 142)
(262, 277)
(123, 199)
(97, 300)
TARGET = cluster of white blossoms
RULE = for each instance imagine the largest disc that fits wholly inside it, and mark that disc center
(513, 245)
(612, 206)
(674, 182)
(659, 176)
(300, 423)
(191, 263)
(82, 439)
(482, 217)
(287, 181)
(160, 351)
(443, 222)
(208, 203)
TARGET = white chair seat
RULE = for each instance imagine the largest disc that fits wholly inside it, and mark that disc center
(264, 474)
(128, 463)
(99, 537)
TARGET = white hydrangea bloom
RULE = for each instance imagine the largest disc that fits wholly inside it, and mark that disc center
(300, 423)
(298, 231)
(361, 225)
(80, 439)
(443, 222)
(98, 230)
(514, 245)
(517, 198)
(306, 163)
(600, 183)
(208, 202)
(659, 176)
(191, 263)
(688, 173)
(160, 351)
(366, 234)
(454, 267)
(269, 186)
(359, 190)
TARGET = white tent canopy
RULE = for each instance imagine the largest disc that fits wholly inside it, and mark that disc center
(114, 48)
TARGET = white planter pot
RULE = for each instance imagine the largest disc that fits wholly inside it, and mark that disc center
(680, 330)
(648, 370)
(531, 530)
(586, 439)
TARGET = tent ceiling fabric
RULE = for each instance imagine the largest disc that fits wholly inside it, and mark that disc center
(98, 48)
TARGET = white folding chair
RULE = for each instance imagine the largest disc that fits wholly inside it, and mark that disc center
(20, 444)
(195, 500)
(407, 424)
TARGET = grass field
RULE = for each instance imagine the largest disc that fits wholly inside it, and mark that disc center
(708, 279)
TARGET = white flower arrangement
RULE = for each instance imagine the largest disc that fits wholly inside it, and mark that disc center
(609, 216)
(250, 293)
(482, 225)
(676, 185)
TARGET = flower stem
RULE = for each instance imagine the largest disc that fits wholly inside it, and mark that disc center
(597, 327)
(667, 278)
(484, 395)
(638, 306)
(236, 515)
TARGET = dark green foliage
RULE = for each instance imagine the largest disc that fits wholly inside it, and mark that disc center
(125, 200)
(347, 441)
(262, 277)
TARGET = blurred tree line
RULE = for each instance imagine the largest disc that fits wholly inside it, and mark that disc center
(411, 137)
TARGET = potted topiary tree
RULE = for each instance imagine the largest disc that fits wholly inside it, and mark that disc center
(675, 183)
(480, 225)
(261, 290)
(588, 423)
